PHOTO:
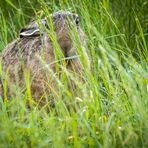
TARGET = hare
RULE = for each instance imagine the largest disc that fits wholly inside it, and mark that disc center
(35, 48)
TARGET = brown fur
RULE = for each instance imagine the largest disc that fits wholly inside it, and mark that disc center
(24, 54)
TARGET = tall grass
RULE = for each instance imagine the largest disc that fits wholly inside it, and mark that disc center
(110, 108)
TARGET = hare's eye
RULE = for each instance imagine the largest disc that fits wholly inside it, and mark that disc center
(77, 21)
(59, 16)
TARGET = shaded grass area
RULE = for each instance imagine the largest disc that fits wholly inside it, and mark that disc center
(110, 109)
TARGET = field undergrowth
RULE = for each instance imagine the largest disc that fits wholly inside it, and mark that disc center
(111, 108)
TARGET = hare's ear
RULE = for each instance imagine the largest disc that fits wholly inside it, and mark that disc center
(33, 29)
(29, 32)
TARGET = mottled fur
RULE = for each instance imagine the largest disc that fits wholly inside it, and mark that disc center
(34, 45)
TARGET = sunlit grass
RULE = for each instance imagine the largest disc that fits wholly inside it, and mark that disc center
(108, 110)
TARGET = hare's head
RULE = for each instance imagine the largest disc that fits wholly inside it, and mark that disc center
(64, 24)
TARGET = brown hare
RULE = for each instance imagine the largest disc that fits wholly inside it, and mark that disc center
(35, 48)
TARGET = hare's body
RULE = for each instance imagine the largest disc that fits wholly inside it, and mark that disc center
(34, 51)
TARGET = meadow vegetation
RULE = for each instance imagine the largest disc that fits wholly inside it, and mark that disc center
(111, 108)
